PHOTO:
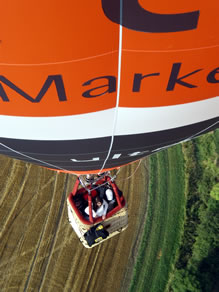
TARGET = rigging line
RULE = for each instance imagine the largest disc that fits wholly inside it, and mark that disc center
(35, 159)
(198, 133)
(100, 185)
(112, 178)
(133, 172)
(60, 62)
(159, 149)
(186, 139)
(118, 86)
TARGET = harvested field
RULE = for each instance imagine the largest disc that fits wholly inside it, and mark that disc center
(39, 250)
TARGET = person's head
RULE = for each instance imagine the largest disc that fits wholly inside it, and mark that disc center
(98, 202)
(109, 194)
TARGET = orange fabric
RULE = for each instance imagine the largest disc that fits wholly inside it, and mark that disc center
(78, 42)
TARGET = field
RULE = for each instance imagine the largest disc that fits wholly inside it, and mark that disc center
(164, 222)
(197, 265)
(39, 250)
(180, 246)
(172, 198)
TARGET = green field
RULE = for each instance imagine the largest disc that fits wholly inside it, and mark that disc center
(180, 246)
(197, 265)
(164, 221)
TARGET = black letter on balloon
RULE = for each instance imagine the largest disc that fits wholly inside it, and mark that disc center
(136, 18)
(137, 80)
(56, 78)
(111, 86)
(211, 76)
(174, 78)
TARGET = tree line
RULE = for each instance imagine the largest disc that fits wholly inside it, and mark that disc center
(197, 264)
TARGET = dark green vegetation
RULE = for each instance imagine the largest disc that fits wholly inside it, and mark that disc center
(164, 221)
(197, 266)
(180, 246)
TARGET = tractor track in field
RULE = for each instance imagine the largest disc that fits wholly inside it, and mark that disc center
(38, 245)
(13, 213)
(39, 250)
(57, 224)
(136, 243)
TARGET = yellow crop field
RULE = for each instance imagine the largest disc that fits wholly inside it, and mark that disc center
(39, 250)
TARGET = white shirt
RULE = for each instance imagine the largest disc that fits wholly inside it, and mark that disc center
(101, 211)
(87, 212)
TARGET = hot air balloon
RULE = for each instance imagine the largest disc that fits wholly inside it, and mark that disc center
(92, 228)
(91, 86)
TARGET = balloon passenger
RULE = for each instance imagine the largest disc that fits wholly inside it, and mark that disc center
(109, 194)
(106, 192)
(100, 207)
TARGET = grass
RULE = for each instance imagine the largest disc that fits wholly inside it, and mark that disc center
(164, 223)
(196, 268)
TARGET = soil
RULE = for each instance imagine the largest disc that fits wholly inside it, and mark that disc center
(39, 250)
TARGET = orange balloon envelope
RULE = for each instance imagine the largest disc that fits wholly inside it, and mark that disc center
(93, 85)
